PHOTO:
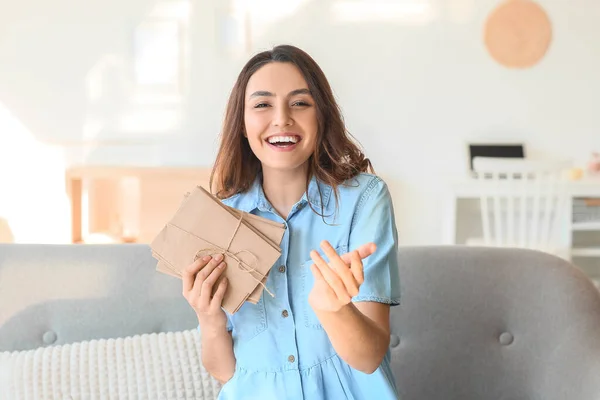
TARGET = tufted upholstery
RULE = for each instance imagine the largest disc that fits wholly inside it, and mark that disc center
(58, 294)
(492, 323)
(475, 323)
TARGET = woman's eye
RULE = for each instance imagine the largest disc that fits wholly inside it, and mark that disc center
(261, 105)
(301, 104)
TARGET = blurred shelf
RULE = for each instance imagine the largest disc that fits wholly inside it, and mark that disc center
(586, 226)
(585, 252)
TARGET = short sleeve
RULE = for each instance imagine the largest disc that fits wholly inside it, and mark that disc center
(374, 221)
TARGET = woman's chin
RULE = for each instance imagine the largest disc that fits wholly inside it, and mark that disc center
(285, 166)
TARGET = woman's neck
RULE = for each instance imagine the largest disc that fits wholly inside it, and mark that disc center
(283, 189)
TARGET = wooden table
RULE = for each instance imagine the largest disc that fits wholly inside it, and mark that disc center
(158, 193)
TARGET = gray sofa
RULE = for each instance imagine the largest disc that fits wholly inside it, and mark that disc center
(475, 323)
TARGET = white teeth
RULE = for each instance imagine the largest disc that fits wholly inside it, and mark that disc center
(283, 139)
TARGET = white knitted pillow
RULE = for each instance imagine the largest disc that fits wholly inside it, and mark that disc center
(149, 366)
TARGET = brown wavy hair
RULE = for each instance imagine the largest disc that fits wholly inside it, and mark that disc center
(336, 157)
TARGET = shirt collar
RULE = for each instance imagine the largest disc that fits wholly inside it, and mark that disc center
(255, 197)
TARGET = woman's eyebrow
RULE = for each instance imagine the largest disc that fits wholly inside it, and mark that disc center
(265, 93)
(261, 93)
(299, 91)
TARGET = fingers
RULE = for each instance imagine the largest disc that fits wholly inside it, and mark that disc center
(316, 273)
(205, 279)
(217, 299)
(364, 251)
(341, 268)
(356, 266)
(331, 277)
(320, 279)
(196, 273)
(189, 274)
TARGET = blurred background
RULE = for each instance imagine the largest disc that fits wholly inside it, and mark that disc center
(110, 110)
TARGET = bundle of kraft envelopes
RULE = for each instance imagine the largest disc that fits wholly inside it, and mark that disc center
(203, 226)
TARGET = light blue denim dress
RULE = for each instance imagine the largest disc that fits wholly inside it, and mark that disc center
(281, 350)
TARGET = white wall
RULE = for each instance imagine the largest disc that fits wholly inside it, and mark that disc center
(414, 89)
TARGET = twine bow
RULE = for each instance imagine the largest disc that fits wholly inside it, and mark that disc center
(217, 249)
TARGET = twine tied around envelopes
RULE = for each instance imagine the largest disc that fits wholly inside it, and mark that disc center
(218, 249)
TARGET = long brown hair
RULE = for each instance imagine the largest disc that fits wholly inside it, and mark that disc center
(336, 156)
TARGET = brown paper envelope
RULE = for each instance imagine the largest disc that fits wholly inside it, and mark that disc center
(258, 291)
(167, 265)
(272, 230)
(240, 283)
(254, 297)
(273, 233)
(161, 267)
(269, 230)
(164, 267)
(204, 216)
(202, 223)
(206, 207)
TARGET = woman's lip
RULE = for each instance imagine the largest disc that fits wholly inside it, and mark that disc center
(283, 149)
(298, 137)
(284, 134)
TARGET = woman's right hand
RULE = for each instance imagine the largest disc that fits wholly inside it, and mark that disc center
(198, 281)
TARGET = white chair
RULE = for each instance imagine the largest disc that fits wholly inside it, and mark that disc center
(523, 204)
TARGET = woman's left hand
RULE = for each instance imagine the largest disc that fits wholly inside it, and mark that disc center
(338, 281)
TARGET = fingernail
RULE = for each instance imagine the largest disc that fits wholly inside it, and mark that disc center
(222, 265)
(206, 258)
(219, 257)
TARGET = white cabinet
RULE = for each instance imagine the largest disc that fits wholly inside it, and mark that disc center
(581, 230)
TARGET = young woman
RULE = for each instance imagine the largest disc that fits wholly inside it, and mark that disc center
(285, 155)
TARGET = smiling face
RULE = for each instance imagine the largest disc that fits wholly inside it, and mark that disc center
(280, 117)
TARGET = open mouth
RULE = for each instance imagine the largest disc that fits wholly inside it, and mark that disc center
(284, 141)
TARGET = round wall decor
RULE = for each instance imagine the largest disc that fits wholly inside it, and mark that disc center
(518, 33)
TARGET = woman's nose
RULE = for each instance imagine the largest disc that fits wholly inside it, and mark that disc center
(282, 117)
